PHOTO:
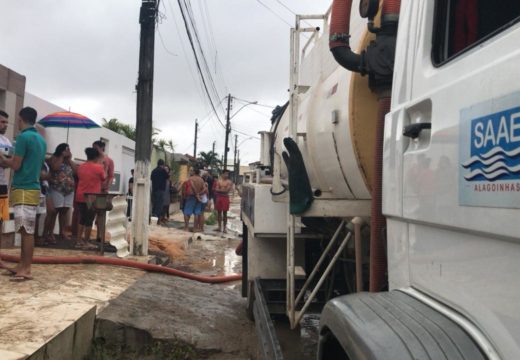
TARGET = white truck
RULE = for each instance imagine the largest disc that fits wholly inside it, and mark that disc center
(393, 168)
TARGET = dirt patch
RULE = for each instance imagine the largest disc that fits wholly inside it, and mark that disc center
(209, 318)
(170, 241)
(164, 317)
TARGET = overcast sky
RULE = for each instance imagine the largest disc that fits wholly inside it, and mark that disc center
(83, 54)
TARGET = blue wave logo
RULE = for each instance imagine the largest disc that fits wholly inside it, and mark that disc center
(495, 147)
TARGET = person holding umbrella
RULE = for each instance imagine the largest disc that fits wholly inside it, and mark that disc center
(27, 161)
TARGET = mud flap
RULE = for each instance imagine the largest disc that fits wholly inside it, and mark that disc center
(300, 190)
(269, 344)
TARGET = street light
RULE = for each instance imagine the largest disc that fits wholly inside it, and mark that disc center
(243, 141)
(249, 103)
(228, 125)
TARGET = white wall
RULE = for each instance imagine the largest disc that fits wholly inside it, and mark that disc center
(79, 139)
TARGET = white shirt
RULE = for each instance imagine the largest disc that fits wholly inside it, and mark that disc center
(5, 149)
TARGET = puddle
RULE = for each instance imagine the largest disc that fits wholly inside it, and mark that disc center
(302, 343)
(216, 257)
(232, 262)
(213, 254)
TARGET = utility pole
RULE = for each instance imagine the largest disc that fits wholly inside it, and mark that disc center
(238, 162)
(143, 145)
(214, 142)
(195, 142)
(228, 130)
(235, 177)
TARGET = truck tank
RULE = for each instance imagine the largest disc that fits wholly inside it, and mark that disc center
(336, 119)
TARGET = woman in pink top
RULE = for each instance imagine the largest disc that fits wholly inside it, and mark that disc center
(91, 176)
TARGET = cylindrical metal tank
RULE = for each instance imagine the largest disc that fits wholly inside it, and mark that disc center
(265, 145)
(336, 121)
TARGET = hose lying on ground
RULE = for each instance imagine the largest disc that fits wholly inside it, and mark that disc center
(67, 260)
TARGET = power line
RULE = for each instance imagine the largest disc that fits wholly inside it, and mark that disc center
(291, 11)
(209, 77)
(190, 38)
(163, 45)
(200, 82)
(246, 134)
(195, 31)
(261, 113)
(285, 6)
(200, 90)
(208, 27)
(273, 12)
(208, 116)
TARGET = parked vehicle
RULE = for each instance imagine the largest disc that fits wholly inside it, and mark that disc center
(393, 168)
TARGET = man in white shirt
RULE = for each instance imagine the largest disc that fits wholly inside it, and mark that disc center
(5, 148)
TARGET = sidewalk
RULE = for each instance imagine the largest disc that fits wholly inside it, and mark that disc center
(34, 312)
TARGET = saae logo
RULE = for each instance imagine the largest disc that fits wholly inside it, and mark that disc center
(495, 147)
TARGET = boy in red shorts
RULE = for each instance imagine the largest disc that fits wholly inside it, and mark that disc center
(222, 189)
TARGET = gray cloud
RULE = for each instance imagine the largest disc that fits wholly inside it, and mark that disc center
(84, 54)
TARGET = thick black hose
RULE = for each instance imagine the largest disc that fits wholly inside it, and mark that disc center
(348, 59)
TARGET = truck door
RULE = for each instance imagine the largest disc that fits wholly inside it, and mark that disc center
(460, 192)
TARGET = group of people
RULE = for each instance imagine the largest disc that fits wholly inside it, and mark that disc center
(64, 184)
(200, 192)
(63, 187)
(50, 186)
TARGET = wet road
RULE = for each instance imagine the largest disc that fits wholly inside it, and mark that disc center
(214, 254)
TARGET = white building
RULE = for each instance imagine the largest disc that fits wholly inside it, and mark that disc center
(119, 148)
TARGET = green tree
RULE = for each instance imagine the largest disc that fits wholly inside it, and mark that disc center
(161, 145)
(210, 158)
(128, 130)
(116, 126)
(171, 146)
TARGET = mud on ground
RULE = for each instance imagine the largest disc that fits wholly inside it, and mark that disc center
(165, 317)
(207, 321)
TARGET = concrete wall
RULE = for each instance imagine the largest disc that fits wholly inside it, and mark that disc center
(184, 172)
(12, 90)
(119, 148)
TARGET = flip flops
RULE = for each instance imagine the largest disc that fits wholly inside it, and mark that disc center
(20, 278)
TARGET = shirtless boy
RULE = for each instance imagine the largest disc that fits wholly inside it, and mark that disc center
(222, 189)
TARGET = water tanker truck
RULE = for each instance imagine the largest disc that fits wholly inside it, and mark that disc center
(387, 193)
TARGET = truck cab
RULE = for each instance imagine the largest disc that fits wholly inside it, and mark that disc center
(451, 193)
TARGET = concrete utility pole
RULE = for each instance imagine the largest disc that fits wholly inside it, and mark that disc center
(235, 177)
(214, 142)
(143, 145)
(228, 130)
(195, 141)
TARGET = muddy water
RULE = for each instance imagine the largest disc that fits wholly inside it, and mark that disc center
(301, 343)
(214, 254)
